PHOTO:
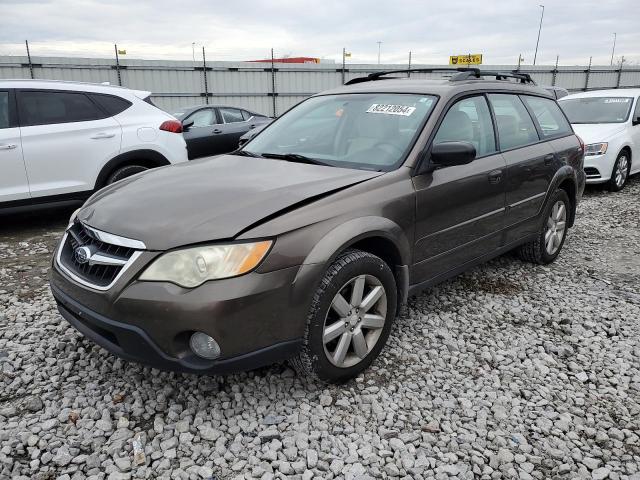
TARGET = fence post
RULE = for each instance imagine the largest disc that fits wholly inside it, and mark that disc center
(555, 72)
(588, 72)
(344, 52)
(273, 83)
(204, 72)
(115, 47)
(26, 42)
(409, 72)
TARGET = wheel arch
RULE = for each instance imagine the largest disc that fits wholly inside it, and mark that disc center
(146, 157)
(565, 179)
(376, 235)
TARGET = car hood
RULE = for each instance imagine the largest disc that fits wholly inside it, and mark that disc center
(213, 198)
(597, 132)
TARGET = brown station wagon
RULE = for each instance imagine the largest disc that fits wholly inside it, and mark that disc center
(304, 244)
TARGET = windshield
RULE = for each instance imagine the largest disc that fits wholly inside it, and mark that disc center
(597, 109)
(371, 131)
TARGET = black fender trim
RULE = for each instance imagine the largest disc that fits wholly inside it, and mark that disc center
(564, 173)
(150, 158)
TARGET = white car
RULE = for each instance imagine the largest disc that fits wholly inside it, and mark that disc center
(61, 141)
(608, 121)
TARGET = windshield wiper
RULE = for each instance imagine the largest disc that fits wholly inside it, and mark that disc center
(246, 153)
(295, 157)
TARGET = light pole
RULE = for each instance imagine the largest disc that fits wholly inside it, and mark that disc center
(379, 43)
(193, 51)
(539, 30)
(614, 47)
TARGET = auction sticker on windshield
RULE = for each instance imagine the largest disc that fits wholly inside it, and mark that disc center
(391, 109)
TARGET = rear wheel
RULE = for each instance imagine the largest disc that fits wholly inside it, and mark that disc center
(620, 172)
(546, 247)
(124, 172)
(350, 318)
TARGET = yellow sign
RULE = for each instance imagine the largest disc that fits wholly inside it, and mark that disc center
(347, 54)
(122, 52)
(470, 59)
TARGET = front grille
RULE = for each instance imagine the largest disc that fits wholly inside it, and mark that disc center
(592, 172)
(94, 274)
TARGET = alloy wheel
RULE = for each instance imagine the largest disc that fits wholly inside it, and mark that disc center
(352, 327)
(622, 170)
(556, 227)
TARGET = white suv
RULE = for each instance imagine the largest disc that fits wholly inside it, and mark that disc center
(63, 140)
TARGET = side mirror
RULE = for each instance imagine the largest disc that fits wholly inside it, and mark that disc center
(636, 120)
(186, 125)
(452, 153)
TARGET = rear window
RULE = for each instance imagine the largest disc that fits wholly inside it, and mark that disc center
(597, 109)
(43, 108)
(110, 103)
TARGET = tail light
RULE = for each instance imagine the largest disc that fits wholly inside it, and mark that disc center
(581, 144)
(173, 126)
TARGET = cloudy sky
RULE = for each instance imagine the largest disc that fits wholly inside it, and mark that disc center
(243, 30)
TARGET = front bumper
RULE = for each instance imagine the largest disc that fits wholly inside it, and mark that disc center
(257, 319)
(598, 168)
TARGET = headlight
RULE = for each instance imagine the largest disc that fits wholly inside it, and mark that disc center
(596, 149)
(191, 267)
(73, 218)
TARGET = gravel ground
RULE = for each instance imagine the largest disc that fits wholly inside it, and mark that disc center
(509, 371)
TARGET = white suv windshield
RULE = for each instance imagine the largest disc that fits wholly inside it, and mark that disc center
(370, 131)
(597, 109)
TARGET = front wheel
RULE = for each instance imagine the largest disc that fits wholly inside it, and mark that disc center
(620, 172)
(350, 318)
(546, 247)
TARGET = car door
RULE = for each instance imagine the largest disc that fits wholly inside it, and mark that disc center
(530, 163)
(203, 137)
(635, 137)
(66, 140)
(460, 209)
(233, 127)
(13, 175)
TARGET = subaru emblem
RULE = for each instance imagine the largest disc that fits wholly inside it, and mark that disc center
(82, 254)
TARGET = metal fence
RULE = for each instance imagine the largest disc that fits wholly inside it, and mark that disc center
(264, 87)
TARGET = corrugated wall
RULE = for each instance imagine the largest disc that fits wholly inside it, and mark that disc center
(177, 84)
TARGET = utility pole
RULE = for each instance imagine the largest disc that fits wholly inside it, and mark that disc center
(26, 42)
(193, 51)
(409, 72)
(379, 43)
(344, 53)
(535, 55)
(613, 50)
(520, 60)
(115, 46)
(204, 72)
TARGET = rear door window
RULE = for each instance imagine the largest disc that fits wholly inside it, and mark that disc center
(4, 109)
(550, 118)
(515, 126)
(110, 103)
(469, 120)
(231, 115)
(44, 108)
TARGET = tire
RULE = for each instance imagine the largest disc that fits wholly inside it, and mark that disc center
(322, 361)
(620, 172)
(538, 251)
(124, 172)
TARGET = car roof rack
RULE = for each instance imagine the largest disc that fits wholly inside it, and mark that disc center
(463, 73)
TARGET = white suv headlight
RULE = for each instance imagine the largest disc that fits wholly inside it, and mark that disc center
(596, 148)
(191, 267)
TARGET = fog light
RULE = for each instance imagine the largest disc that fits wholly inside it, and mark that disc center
(204, 346)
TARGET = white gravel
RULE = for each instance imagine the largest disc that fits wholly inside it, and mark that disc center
(510, 371)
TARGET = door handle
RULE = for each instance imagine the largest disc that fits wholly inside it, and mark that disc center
(217, 130)
(252, 126)
(98, 136)
(7, 146)
(495, 176)
(548, 159)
